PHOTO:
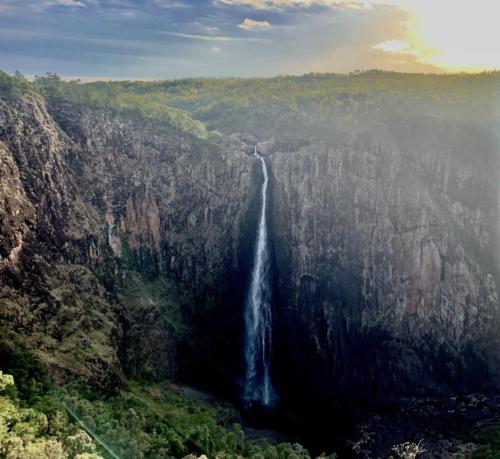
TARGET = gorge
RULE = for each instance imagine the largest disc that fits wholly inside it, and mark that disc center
(331, 251)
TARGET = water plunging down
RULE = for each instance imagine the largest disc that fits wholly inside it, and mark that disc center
(258, 318)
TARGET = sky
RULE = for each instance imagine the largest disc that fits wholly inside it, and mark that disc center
(166, 39)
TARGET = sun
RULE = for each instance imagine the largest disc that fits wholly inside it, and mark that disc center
(455, 35)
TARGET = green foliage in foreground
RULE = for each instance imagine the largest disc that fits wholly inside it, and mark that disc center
(488, 439)
(142, 421)
(29, 374)
(29, 433)
(150, 421)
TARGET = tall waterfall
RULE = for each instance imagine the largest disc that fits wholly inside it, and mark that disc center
(258, 318)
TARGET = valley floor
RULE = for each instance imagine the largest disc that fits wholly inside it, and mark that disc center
(138, 420)
(166, 420)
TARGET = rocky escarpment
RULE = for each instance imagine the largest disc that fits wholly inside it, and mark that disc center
(386, 250)
(175, 206)
(88, 198)
(125, 247)
(50, 298)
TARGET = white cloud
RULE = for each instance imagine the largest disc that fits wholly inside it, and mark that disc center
(216, 50)
(38, 6)
(284, 4)
(68, 3)
(251, 24)
(397, 47)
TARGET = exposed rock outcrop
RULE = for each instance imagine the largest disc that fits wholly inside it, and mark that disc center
(386, 259)
(88, 195)
(385, 249)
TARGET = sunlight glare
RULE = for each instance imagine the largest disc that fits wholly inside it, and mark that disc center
(454, 35)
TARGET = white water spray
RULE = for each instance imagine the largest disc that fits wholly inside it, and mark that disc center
(258, 318)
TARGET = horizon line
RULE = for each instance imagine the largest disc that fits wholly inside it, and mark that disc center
(105, 79)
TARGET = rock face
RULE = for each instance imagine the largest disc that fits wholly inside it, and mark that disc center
(49, 297)
(87, 196)
(386, 251)
(175, 206)
(165, 194)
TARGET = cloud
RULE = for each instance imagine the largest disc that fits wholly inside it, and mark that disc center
(171, 4)
(257, 4)
(287, 4)
(211, 29)
(210, 37)
(68, 3)
(136, 38)
(250, 24)
(397, 47)
(200, 37)
(25, 6)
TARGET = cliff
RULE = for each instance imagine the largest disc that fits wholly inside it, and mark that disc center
(386, 249)
(126, 243)
(88, 198)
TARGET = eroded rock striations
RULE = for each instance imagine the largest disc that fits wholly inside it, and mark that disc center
(88, 196)
(386, 247)
(122, 236)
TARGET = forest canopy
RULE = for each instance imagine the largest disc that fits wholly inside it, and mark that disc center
(288, 106)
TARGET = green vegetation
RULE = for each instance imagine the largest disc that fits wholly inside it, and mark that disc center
(488, 439)
(85, 96)
(172, 301)
(154, 422)
(30, 375)
(15, 84)
(146, 109)
(309, 105)
(314, 106)
(142, 421)
(39, 432)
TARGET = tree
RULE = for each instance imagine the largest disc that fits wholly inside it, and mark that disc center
(6, 382)
(18, 75)
(80, 442)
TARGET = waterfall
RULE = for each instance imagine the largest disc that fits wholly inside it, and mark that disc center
(258, 318)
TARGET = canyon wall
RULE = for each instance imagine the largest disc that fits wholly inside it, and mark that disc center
(126, 244)
(386, 249)
(95, 205)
